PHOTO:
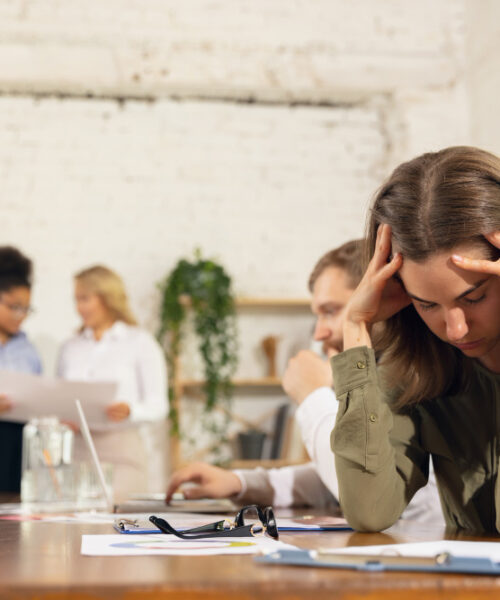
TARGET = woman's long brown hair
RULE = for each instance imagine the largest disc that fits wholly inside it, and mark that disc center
(433, 203)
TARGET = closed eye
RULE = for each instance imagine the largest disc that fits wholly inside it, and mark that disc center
(426, 306)
(474, 300)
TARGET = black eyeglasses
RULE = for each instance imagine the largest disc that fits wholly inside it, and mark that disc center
(263, 521)
(19, 310)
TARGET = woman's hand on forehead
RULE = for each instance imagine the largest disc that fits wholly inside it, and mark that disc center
(490, 267)
(379, 296)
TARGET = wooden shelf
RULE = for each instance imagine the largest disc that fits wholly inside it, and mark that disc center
(256, 302)
(256, 387)
(249, 302)
(262, 382)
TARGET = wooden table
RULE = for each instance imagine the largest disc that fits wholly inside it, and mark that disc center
(43, 561)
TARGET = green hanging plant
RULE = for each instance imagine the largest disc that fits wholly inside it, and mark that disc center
(203, 287)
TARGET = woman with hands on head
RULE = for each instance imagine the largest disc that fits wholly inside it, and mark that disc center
(434, 282)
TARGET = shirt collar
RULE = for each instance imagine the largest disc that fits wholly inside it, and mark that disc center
(17, 337)
(117, 331)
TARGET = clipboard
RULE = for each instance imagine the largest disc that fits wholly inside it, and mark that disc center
(131, 526)
(441, 563)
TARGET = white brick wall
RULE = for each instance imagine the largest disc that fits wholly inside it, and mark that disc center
(275, 50)
(265, 187)
(483, 72)
(138, 185)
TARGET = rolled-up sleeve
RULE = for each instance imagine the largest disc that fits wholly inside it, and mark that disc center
(296, 485)
(379, 461)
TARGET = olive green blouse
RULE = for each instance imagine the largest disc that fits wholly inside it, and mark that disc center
(382, 457)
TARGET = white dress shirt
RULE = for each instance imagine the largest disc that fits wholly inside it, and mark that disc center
(316, 483)
(127, 355)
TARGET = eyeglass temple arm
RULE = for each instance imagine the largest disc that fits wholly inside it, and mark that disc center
(162, 525)
(216, 526)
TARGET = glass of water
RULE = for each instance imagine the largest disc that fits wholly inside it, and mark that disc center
(47, 470)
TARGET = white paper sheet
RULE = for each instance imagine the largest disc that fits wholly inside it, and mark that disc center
(427, 549)
(72, 514)
(142, 545)
(38, 396)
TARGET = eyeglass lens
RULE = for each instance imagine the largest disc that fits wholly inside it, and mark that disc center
(266, 516)
(18, 309)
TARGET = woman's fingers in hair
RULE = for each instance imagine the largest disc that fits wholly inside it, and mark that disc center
(494, 238)
(391, 268)
(479, 266)
(382, 246)
(482, 266)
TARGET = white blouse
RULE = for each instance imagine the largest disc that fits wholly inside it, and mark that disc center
(127, 355)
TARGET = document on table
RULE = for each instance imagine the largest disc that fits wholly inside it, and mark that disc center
(142, 545)
(39, 396)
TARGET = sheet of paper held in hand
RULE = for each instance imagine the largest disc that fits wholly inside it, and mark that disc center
(141, 545)
(39, 396)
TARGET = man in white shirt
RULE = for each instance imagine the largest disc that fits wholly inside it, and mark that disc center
(308, 381)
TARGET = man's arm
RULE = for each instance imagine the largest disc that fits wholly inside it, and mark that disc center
(297, 485)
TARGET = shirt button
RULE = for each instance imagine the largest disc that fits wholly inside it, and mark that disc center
(373, 418)
(360, 364)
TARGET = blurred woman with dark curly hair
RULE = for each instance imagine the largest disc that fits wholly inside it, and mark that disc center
(16, 354)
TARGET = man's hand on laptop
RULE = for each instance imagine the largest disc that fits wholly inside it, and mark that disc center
(211, 482)
(305, 373)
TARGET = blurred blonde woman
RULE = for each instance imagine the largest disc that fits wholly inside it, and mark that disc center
(110, 346)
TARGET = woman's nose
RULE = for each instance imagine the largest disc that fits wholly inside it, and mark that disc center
(456, 325)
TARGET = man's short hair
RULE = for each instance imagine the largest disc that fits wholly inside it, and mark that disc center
(348, 257)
